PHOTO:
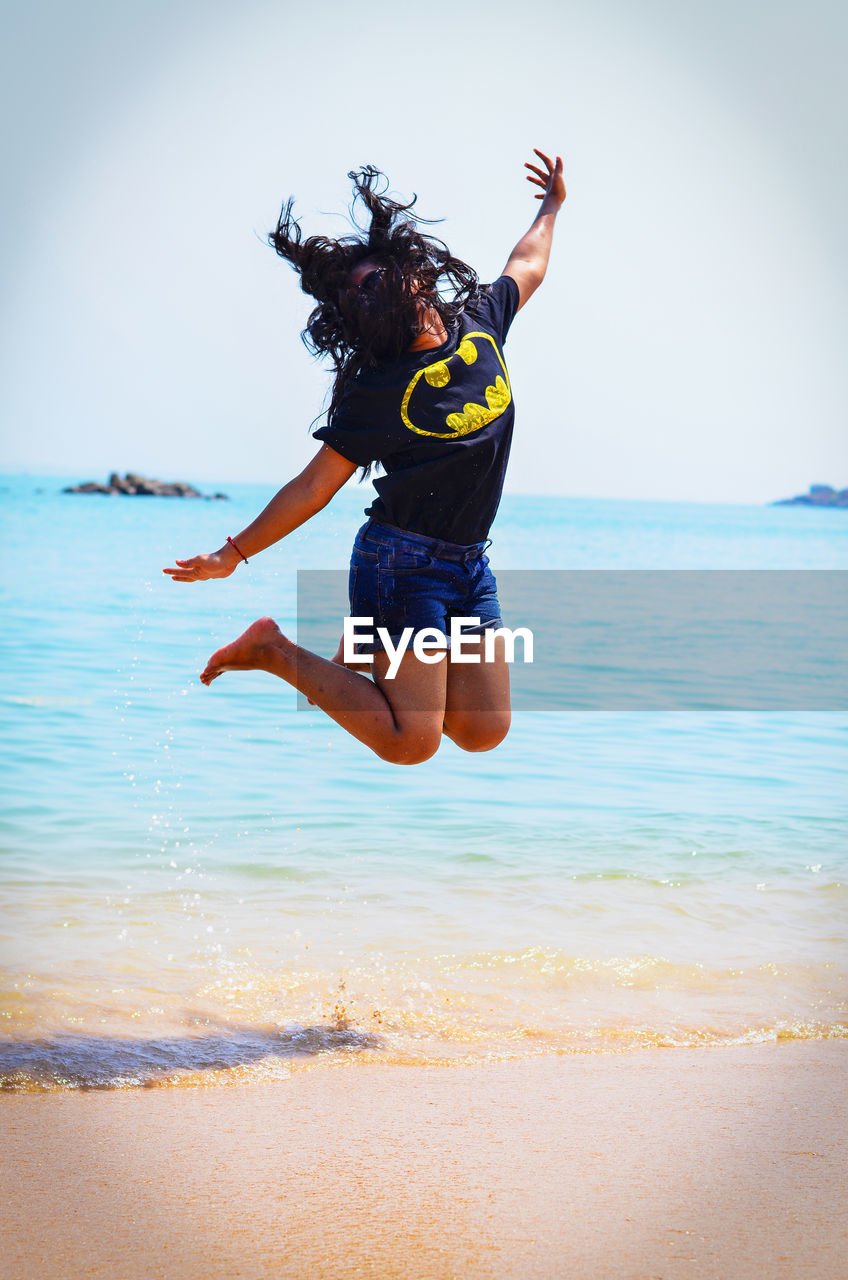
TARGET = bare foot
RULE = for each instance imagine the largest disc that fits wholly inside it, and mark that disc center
(250, 652)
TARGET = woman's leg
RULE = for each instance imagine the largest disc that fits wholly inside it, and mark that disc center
(400, 719)
(477, 707)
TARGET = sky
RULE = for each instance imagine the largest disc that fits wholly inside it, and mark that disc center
(688, 343)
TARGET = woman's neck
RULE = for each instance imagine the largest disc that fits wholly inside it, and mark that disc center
(432, 332)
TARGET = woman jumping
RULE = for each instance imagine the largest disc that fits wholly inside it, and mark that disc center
(421, 388)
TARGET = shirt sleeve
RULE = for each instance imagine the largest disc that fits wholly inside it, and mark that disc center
(349, 434)
(496, 307)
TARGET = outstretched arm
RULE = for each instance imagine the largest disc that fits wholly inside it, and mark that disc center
(528, 261)
(296, 502)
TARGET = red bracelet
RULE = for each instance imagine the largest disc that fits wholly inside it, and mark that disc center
(241, 553)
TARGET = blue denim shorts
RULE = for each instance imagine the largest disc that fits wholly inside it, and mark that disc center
(403, 579)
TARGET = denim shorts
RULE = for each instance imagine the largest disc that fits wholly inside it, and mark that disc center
(403, 579)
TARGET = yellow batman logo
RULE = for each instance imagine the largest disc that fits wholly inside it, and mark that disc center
(472, 416)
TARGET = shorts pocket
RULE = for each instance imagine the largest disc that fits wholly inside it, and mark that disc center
(408, 560)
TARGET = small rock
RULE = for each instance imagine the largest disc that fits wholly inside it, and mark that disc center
(819, 495)
(135, 485)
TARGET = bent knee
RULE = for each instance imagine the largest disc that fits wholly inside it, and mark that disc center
(484, 741)
(475, 734)
(411, 749)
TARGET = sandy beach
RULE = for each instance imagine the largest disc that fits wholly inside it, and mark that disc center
(721, 1162)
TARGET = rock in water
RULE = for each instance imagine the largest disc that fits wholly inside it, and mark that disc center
(820, 495)
(135, 485)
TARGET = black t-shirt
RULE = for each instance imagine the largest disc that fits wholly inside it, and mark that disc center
(439, 421)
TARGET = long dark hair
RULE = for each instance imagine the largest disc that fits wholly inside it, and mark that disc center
(361, 327)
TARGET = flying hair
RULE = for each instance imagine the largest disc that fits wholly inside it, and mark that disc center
(358, 328)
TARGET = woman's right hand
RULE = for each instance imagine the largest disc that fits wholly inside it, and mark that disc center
(218, 564)
(550, 179)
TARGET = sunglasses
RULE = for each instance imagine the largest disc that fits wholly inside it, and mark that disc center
(372, 278)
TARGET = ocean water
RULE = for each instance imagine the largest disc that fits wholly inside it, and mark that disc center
(213, 885)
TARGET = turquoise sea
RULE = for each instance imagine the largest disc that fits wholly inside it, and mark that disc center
(205, 885)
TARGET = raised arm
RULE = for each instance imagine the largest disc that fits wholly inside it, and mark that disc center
(528, 261)
(296, 502)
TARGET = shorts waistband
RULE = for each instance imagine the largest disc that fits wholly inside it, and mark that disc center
(436, 546)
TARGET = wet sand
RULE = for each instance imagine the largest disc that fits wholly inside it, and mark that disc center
(722, 1163)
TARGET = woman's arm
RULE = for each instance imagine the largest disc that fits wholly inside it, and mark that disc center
(291, 507)
(528, 261)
